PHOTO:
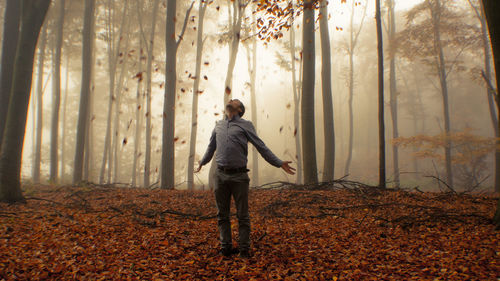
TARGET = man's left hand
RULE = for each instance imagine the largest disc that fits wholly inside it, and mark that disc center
(290, 170)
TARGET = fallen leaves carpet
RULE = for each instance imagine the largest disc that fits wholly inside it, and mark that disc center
(362, 233)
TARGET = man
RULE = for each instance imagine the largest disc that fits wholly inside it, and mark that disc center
(230, 138)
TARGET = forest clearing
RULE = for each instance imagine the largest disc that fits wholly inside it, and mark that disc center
(339, 231)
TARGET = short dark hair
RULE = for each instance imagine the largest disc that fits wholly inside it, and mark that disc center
(242, 106)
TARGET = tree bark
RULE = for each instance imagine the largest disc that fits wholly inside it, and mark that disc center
(147, 157)
(56, 94)
(63, 136)
(85, 89)
(307, 109)
(168, 145)
(393, 89)
(381, 121)
(32, 17)
(138, 110)
(9, 44)
(492, 11)
(326, 82)
(39, 106)
(296, 103)
(196, 84)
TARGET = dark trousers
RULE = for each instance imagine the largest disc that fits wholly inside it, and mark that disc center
(237, 186)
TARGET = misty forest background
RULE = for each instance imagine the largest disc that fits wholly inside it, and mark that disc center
(440, 112)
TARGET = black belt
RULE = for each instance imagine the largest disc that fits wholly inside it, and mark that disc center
(232, 170)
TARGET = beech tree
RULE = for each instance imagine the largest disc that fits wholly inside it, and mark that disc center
(168, 144)
(83, 112)
(32, 16)
(9, 47)
(56, 92)
(492, 11)
(202, 7)
(326, 83)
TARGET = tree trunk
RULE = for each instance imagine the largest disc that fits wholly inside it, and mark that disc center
(353, 41)
(253, 104)
(63, 136)
(118, 95)
(441, 68)
(9, 45)
(138, 110)
(147, 158)
(393, 89)
(32, 17)
(194, 111)
(307, 109)
(39, 106)
(381, 122)
(296, 103)
(168, 145)
(492, 11)
(56, 94)
(326, 82)
(88, 25)
(113, 55)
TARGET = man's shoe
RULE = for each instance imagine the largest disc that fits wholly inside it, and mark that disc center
(244, 253)
(229, 251)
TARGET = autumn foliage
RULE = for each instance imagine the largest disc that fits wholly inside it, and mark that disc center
(344, 232)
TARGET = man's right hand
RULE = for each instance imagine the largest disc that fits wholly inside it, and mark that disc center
(198, 169)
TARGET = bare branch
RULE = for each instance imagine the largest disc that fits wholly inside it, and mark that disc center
(184, 25)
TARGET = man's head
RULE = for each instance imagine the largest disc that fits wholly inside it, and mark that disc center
(235, 106)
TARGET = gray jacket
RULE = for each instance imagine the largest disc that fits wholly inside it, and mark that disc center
(230, 138)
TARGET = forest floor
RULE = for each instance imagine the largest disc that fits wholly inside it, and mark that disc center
(340, 231)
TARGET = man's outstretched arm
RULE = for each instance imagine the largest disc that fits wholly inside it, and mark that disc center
(266, 153)
(212, 145)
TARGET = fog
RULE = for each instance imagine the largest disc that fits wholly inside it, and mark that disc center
(419, 94)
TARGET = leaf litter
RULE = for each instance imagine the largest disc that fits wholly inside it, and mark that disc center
(331, 231)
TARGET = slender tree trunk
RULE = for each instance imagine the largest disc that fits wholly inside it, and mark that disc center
(147, 158)
(326, 82)
(113, 56)
(39, 106)
(381, 122)
(253, 93)
(487, 70)
(88, 26)
(296, 103)
(138, 109)
(492, 11)
(441, 68)
(63, 136)
(118, 95)
(308, 124)
(168, 145)
(353, 41)
(235, 21)
(56, 94)
(32, 17)
(9, 45)
(196, 84)
(393, 89)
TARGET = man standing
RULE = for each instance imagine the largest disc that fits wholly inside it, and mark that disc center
(230, 138)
